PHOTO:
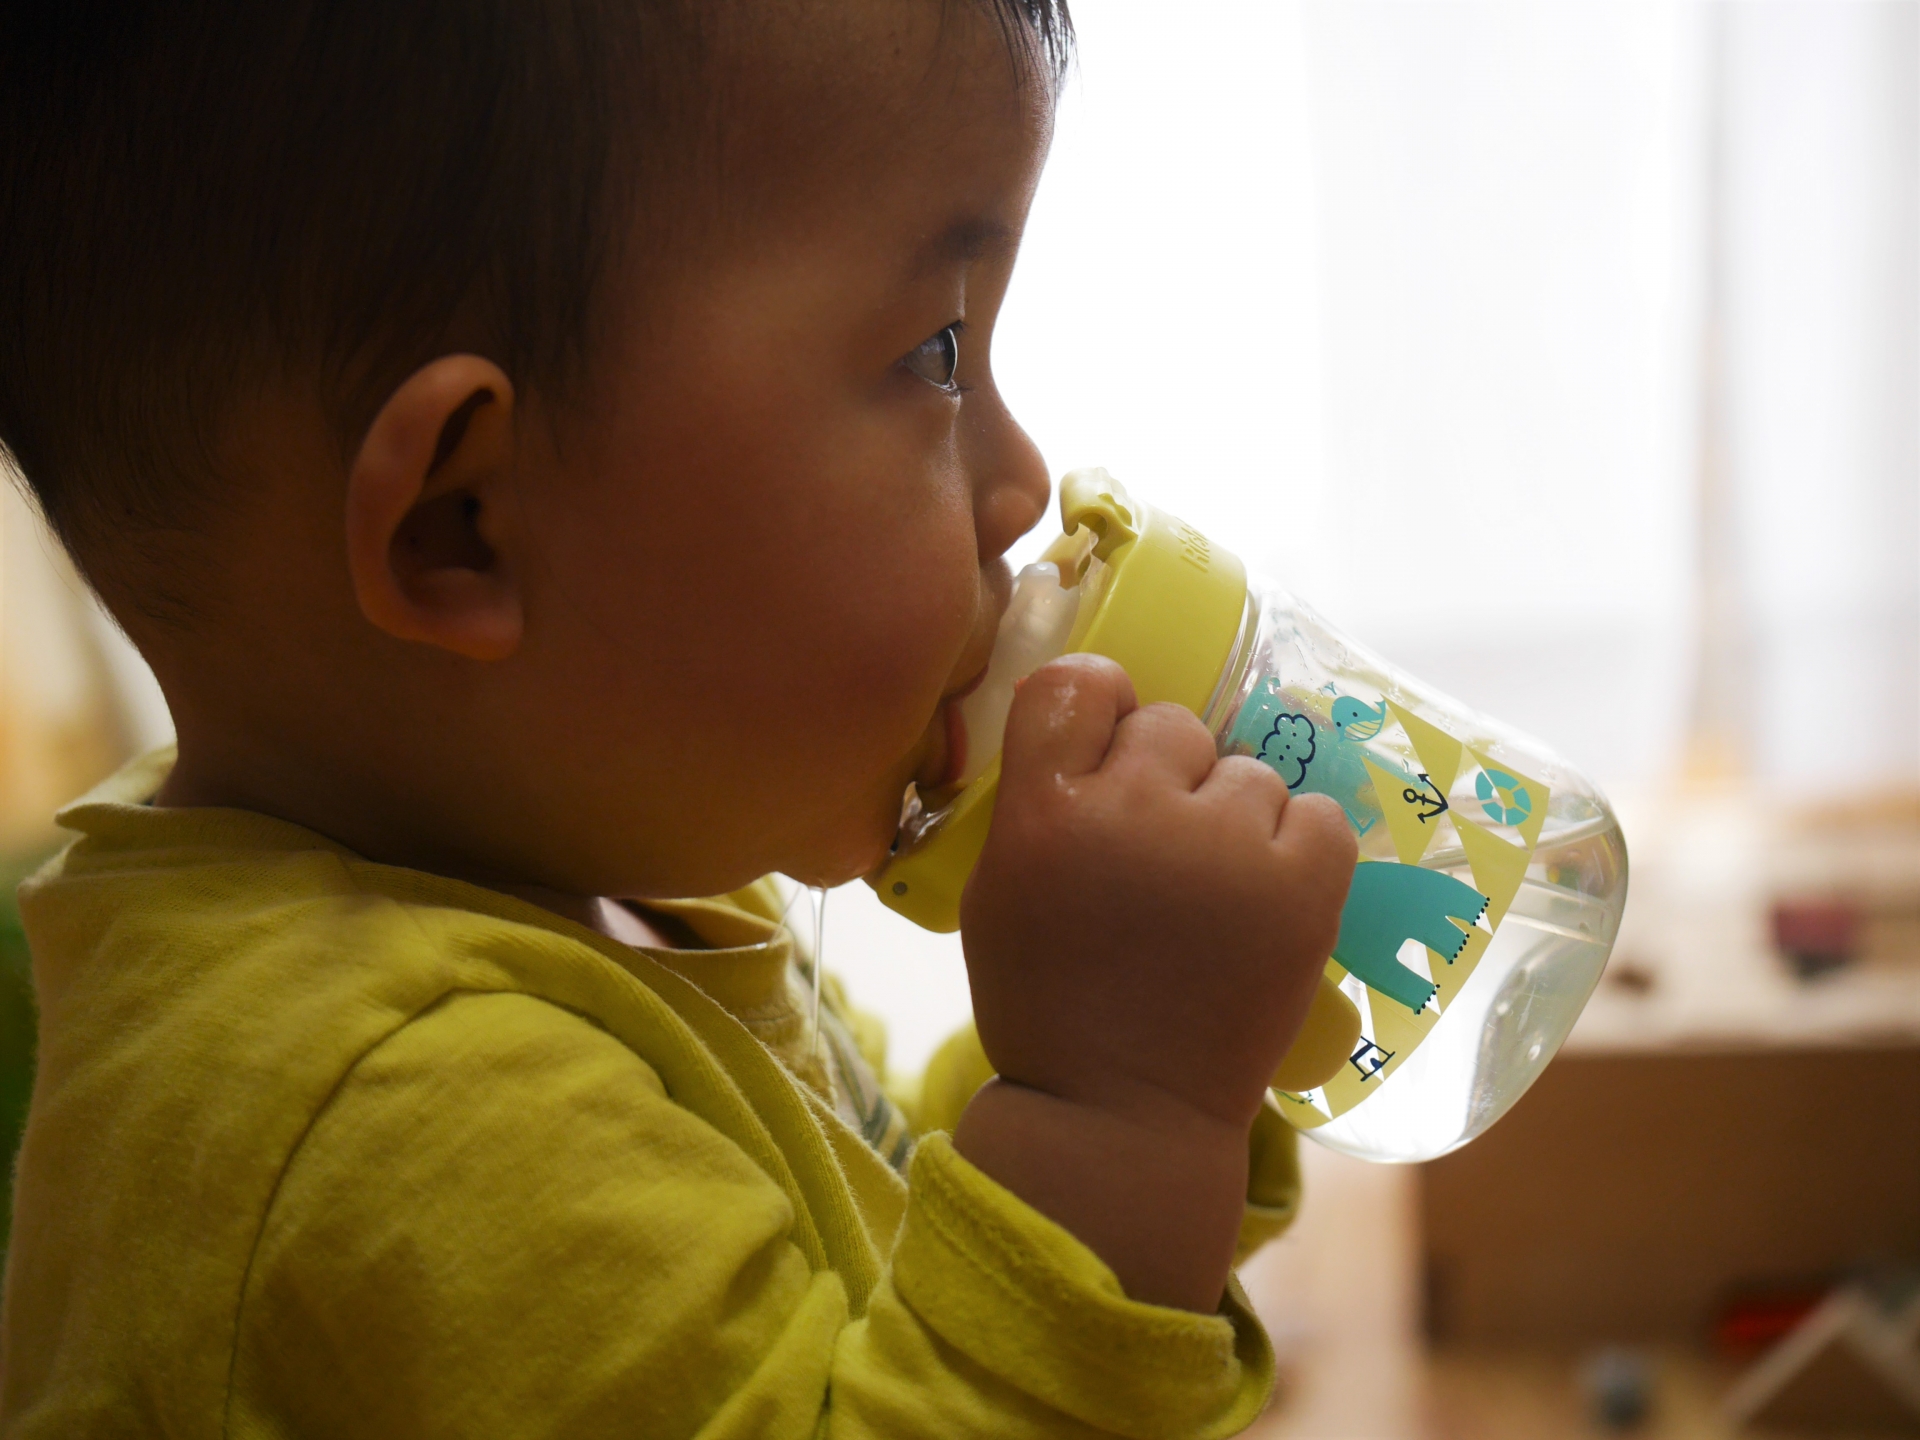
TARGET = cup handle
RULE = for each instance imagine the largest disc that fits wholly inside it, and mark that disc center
(1327, 1038)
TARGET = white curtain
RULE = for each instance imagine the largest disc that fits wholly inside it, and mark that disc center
(1820, 307)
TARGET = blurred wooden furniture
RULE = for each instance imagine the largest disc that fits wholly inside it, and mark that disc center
(1715, 1121)
(1627, 1194)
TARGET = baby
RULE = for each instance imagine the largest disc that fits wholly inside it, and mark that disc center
(548, 452)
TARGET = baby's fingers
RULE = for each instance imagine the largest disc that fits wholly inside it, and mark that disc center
(1062, 720)
(1240, 780)
(1166, 742)
(1317, 846)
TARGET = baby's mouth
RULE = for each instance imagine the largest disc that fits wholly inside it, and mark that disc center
(947, 758)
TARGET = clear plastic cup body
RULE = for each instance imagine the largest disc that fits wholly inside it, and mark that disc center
(1467, 977)
(1461, 1013)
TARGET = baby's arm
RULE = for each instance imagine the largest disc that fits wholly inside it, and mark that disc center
(960, 1067)
(1144, 932)
(505, 1223)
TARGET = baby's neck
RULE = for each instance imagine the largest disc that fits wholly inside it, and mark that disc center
(272, 786)
(605, 917)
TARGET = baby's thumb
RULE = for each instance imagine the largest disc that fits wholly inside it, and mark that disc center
(1063, 718)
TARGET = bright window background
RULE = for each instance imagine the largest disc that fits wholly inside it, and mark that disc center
(1415, 306)
(1397, 301)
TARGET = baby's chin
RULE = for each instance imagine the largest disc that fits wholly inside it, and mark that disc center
(845, 861)
(861, 841)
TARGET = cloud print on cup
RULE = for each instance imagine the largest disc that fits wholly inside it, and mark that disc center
(1287, 748)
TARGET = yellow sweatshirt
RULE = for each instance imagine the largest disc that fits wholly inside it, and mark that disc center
(324, 1147)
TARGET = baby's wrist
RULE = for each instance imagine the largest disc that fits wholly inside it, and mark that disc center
(1155, 1188)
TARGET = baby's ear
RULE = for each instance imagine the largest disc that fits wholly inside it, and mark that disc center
(428, 543)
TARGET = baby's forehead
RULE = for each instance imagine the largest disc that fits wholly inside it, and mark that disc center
(859, 92)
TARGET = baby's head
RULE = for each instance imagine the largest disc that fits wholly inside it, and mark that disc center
(549, 441)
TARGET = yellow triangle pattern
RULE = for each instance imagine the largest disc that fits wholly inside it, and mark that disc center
(1410, 820)
(1449, 978)
(1498, 868)
(1439, 752)
(1346, 1090)
(1300, 1112)
(1398, 1030)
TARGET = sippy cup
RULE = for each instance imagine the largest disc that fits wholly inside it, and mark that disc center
(1492, 874)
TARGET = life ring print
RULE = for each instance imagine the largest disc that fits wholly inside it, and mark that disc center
(1503, 797)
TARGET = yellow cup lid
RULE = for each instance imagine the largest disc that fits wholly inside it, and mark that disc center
(1159, 597)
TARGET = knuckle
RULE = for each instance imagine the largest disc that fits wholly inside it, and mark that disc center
(1173, 728)
(1059, 675)
(1176, 718)
(1245, 770)
(1317, 826)
(1321, 813)
(1082, 670)
(1346, 844)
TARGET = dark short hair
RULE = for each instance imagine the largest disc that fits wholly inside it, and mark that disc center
(193, 192)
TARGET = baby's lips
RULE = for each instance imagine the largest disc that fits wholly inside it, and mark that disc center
(946, 753)
(946, 756)
(967, 689)
(956, 741)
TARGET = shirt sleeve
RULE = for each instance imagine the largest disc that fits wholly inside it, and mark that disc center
(502, 1225)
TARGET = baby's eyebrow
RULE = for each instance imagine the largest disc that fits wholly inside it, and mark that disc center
(964, 242)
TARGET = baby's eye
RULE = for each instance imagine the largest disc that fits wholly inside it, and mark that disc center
(935, 359)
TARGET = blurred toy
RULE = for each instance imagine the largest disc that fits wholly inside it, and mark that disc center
(1844, 881)
(1617, 1384)
(1755, 1317)
(1851, 1366)
(1816, 936)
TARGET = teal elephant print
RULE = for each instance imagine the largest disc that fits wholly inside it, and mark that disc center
(1389, 905)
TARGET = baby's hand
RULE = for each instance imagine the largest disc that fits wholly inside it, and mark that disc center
(1144, 932)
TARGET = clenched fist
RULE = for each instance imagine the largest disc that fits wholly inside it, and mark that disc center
(1144, 931)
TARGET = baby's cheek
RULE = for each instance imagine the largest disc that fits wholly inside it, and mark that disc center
(878, 699)
(888, 685)
(921, 645)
